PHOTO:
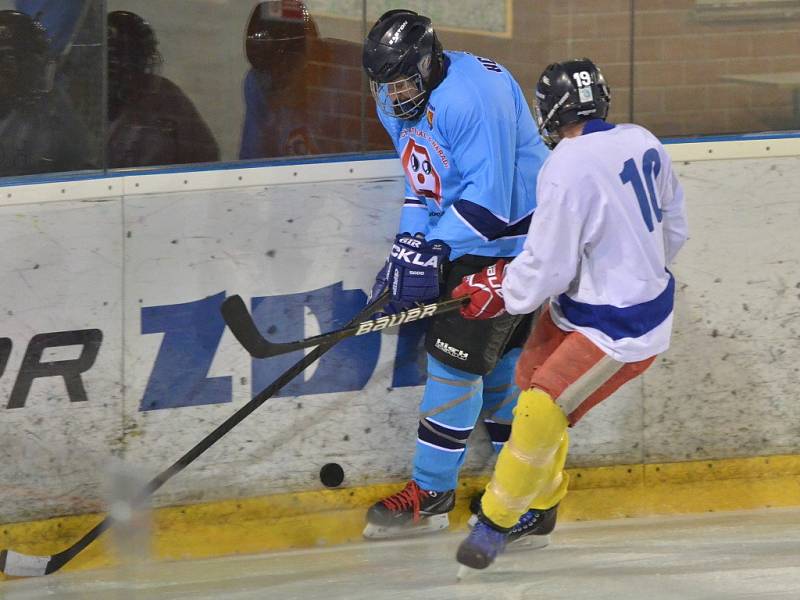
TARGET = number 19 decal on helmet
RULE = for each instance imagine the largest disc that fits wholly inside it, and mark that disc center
(569, 92)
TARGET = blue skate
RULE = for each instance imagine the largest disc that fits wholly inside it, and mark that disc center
(531, 531)
(533, 528)
(483, 544)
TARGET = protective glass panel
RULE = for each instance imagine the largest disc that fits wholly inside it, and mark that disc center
(706, 67)
(231, 80)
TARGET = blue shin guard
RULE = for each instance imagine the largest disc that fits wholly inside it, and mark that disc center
(499, 399)
(450, 407)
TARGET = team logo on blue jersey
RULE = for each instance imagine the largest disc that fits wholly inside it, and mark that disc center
(420, 171)
(429, 116)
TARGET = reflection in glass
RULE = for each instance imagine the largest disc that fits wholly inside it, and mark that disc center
(151, 121)
(691, 68)
(39, 129)
(61, 20)
(705, 67)
(297, 99)
(278, 118)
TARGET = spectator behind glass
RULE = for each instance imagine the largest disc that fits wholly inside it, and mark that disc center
(278, 121)
(39, 132)
(151, 121)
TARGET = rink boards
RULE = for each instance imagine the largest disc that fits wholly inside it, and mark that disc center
(112, 343)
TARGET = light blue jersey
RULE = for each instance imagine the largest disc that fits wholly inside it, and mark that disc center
(471, 160)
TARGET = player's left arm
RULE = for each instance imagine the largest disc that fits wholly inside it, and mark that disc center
(673, 210)
(483, 149)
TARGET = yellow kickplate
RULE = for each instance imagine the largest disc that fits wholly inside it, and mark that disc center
(329, 517)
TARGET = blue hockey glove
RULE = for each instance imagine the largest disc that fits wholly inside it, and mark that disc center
(415, 267)
(380, 285)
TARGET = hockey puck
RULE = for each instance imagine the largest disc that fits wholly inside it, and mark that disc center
(331, 475)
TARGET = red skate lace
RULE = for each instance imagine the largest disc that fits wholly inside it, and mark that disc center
(410, 496)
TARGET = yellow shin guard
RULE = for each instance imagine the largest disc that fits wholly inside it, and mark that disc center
(530, 469)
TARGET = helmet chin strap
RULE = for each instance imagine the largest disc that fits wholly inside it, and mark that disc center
(552, 139)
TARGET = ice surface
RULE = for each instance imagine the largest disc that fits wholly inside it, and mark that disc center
(719, 556)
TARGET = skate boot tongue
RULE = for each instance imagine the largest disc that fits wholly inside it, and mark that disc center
(408, 498)
(410, 511)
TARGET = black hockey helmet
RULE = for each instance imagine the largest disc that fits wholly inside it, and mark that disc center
(24, 59)
(568, 92)
(278, 35)
(404, 61)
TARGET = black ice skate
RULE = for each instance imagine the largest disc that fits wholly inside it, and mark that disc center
(531, 531)
(412, 511)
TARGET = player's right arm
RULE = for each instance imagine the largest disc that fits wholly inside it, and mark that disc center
(414, 214)
(413, 219)
(550, 258)
(547, 265)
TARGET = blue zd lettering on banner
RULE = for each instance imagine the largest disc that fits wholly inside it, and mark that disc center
(193, 330)
(345, 367)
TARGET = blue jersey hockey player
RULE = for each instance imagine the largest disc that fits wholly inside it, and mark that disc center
(471, 153)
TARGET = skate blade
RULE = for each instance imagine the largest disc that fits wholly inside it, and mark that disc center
(428, 525)
(465, 572)
(529, 542)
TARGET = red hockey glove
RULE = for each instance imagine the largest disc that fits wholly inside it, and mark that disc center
(485, 290)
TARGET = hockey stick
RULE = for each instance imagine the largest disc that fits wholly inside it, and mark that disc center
(17, 564)
(241, 323)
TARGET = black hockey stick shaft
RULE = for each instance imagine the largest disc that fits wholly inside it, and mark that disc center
(241, 323)
(56, 561)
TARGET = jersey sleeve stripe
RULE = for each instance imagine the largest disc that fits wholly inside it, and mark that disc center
(486, 223)
(519, 228)
(489, 225)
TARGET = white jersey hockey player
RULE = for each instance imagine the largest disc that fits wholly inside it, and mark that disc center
(610, 219)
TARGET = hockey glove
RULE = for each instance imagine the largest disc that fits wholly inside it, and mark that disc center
(415, 267)
(485, 291)
(380, 285)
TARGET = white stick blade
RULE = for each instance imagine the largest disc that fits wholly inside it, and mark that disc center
(25, 565)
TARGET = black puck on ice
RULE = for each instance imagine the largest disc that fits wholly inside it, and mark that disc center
(331, 475)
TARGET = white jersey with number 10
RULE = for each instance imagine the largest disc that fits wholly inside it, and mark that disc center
(610, 219)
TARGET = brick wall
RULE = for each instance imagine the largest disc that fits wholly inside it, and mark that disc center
(681, 62)
(340, 89)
